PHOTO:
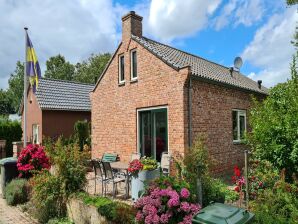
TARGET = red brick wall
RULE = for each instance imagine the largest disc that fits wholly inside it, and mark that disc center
(56, 122)
(212, 119)
(114, 107)
(34, 115)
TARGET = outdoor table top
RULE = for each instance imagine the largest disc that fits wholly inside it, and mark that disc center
(119, 165)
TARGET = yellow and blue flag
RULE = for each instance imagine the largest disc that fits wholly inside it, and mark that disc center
(32, 65)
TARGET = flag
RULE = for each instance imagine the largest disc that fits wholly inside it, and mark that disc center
(32, 65)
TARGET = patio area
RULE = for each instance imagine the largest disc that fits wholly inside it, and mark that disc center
(108, 176)
(120, 194)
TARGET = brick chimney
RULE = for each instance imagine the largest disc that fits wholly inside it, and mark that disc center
(260, 84)
(131, 24)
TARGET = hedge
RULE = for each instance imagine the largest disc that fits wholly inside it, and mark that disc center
(10, 131)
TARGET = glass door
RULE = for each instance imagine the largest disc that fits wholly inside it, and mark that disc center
(153, 132)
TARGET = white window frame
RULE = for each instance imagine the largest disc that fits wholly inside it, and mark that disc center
(239, 113)
(33, 133)
(131, 65)
(119, 75)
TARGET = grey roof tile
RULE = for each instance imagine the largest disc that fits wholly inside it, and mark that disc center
(53, 94)
(199, 66)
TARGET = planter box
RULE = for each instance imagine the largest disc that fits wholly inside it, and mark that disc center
(138, 182)
(80, 213)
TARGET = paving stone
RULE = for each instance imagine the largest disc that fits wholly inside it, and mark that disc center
(13, 215)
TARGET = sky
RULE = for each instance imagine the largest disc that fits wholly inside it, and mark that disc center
(260, 31)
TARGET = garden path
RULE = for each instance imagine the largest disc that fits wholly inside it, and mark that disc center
(13, 215)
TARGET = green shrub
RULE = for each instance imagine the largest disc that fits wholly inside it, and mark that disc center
(50, 192)
(197, 164)
(217, 191)
(70, 164)
(47, 197)
(274, 123)
(17, 192)
(261, 175)
(277, 205)
(82, 133)
(114, 211)
(10, 131)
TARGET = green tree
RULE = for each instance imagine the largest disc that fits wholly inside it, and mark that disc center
(295, 41)
(292, 2)
(274, 123)
(16, 86)
(59, 68)
(6, 106)
(89, 71)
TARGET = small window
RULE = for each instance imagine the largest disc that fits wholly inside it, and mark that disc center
(35, 134)
(133, 60)
(239, 125)
(121, 69)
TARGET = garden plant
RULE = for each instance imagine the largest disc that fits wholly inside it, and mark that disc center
(31, 159)
(166, 201)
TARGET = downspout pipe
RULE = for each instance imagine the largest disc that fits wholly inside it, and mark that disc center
(190, 111)
(199, 182)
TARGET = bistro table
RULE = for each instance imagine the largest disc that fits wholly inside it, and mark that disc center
(122, 166)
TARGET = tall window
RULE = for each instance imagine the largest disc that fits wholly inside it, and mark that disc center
(35, 133)
(121, 69)
(239, 124)
(153, 132)
(133, 65)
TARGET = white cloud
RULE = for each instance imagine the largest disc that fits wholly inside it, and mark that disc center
(239, 12)
(271, 50)
(74, 28)
(175, 18)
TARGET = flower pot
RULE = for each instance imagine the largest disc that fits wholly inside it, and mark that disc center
(139, 181)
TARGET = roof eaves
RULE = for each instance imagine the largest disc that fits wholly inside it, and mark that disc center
(65, 109)
(107, 66)
(228, 85)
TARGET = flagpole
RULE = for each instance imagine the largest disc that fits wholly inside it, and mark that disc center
(25, 94)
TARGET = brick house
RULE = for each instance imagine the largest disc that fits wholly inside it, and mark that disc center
(55, 107)
(153, 98)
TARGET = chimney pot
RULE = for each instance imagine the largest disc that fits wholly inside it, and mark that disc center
(260, 84)
(131, 25)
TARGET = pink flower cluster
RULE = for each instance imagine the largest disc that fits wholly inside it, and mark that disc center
(165, 206)
(31, 158)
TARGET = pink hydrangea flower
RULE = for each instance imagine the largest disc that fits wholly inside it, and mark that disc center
(184, 193)
(160, 206)
(185, 206)
(139, 216)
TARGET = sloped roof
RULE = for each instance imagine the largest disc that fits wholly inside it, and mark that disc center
(53, 94)
(200, 67)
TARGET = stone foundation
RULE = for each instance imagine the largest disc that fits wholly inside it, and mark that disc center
(80, 213)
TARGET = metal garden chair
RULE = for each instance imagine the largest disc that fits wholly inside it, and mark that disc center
(99, 175)
(111, 177)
